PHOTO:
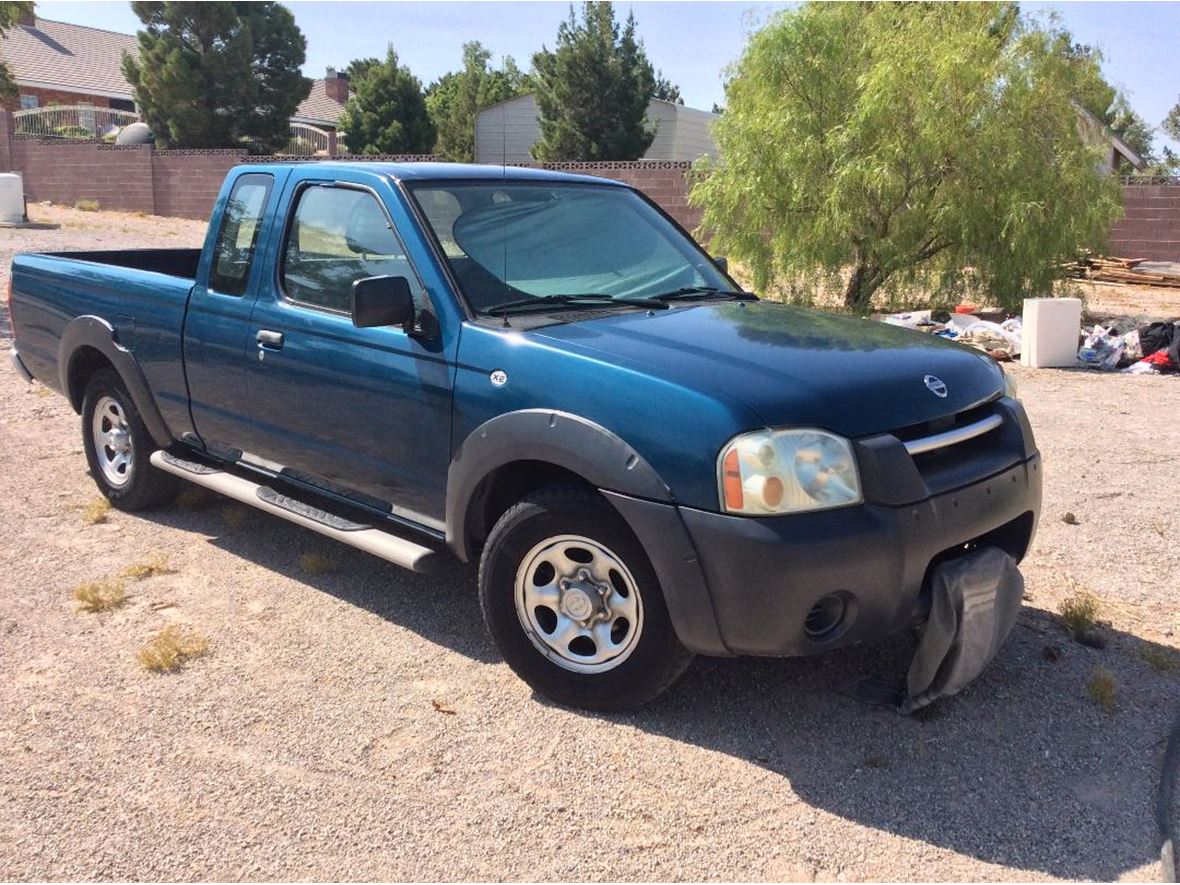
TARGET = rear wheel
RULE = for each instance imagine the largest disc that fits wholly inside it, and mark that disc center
(574, 605)
(118, 446)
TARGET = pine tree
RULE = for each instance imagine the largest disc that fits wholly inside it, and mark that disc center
(593, 90)
(456, 98)
(215, 75)
(386, 113)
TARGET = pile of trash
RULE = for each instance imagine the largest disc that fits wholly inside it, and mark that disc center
(1151, 349)
(988, 330)
(1140, 349)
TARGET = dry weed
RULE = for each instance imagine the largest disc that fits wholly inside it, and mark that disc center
(100, 596)
(169, 649)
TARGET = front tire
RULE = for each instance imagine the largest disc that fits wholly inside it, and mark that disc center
(118, 446)
(574, 605)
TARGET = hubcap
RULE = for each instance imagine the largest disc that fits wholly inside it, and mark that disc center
(579, 604)
(112, 442)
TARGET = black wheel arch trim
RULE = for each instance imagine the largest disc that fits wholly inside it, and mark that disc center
(551, 436)
(95, 332)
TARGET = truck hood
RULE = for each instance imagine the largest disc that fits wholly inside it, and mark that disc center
(793, 366)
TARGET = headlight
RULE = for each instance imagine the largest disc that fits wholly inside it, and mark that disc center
(768, 472)
(1010, 386)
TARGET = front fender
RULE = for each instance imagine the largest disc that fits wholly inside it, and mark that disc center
(559, 438)
(95, 332)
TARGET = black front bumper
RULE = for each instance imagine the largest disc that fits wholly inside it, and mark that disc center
(765, 575)
(744, 585)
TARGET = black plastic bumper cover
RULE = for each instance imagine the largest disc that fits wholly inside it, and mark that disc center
(761, 577)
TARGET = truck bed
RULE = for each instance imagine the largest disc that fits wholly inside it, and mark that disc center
(173, 262)
(141, 293)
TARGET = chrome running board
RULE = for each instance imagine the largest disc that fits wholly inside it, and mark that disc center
(378, 542)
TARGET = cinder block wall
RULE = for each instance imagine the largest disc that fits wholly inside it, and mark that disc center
(664, 181)
(1151, 226)
(185, 184)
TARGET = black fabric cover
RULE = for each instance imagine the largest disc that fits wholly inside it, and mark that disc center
(1160, 336)
(976, 599)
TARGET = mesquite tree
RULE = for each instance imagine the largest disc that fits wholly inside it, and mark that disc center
(900, 143)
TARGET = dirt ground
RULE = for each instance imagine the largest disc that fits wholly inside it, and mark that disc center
(356, 723)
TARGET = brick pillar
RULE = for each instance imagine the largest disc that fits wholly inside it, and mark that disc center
(332, 143)
(6, 142)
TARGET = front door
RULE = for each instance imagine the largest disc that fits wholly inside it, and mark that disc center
(361, 412)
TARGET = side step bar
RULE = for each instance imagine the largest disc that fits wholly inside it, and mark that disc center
(382, 544)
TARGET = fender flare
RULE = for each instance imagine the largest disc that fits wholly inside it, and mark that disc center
(93, 331)
(554, 437)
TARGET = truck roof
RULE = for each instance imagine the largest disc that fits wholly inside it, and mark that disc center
(432, 171)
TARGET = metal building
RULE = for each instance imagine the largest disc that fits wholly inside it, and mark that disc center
(506, 132)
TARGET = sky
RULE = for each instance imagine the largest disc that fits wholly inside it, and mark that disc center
(690, 42)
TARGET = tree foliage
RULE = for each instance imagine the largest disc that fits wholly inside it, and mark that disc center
(221, 74)
(1172, 122)
(901, 143)
(593, 89)
(454, 99)
(10, 14)
(666, 90)
(358, 67)
(386, 113)
(1110, 105)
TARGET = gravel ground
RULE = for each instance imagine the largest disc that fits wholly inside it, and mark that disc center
(357, 724)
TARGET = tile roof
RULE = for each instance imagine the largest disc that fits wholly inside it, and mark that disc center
(318, 107)
(69, 57)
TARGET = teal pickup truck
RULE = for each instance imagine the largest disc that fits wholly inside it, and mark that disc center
(544, 373)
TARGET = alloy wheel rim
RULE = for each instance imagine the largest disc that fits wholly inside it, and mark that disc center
(579, 604)
(112, 442)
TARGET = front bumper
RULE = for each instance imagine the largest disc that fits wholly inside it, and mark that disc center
(765, 575)
(745, 585)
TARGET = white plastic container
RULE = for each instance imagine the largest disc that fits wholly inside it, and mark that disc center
(12, 198)
(1052, 331)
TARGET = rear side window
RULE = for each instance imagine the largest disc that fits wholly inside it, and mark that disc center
(338, 236)
(238, 237)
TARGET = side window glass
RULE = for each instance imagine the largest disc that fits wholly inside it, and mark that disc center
(238, 237)
(338, 236)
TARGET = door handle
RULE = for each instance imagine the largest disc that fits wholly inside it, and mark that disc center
(269, 339)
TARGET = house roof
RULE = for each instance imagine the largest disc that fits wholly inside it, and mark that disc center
(318, 107)
(57, 55)
(1094, 125)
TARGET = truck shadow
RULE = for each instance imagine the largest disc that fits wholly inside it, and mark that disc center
(1023, 769)
(441, 607)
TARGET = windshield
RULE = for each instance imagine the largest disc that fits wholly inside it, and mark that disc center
(509, 242)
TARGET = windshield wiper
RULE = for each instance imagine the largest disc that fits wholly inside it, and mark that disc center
(541, 302)
(698, 293)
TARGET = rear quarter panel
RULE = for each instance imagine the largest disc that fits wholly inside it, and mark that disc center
(145, 309)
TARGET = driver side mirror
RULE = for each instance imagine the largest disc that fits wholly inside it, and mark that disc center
(722, 262)
(382, 301)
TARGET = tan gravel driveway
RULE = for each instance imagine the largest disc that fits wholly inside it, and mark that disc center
(357, 723)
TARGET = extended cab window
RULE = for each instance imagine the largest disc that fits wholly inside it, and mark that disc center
(338, 236)
(238, 237)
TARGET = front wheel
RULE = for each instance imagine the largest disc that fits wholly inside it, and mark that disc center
(118, 446)
(574, 605)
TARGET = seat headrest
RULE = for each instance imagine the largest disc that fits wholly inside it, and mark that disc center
(368, 231)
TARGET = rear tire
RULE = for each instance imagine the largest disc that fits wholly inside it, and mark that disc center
(118, 446)
(574, 605)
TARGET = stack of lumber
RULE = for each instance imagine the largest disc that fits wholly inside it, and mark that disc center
(1105, 269)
